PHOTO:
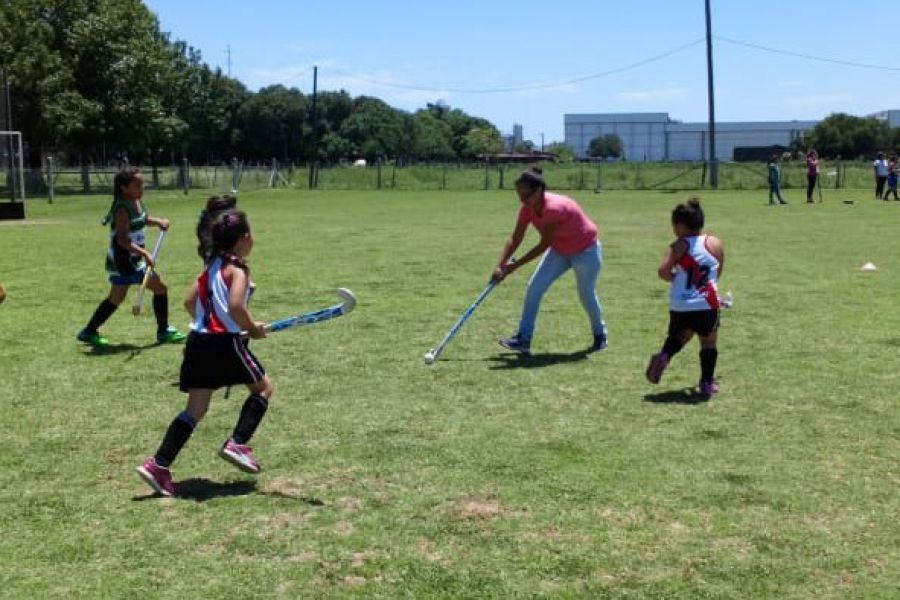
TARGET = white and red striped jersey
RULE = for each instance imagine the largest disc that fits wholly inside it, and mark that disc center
(211, 307)
(696, 274)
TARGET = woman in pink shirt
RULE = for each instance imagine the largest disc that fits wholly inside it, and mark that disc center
(812, 174)
(569, 240)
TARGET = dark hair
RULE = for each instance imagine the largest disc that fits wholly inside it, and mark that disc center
(214, 206)
(689, 214)
(227, 229)
(532, 178)
(123, 177)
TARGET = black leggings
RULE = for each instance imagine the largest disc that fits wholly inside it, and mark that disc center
(879, 186)
(810, 186)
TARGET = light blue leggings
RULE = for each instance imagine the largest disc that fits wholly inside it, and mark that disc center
(587, 267)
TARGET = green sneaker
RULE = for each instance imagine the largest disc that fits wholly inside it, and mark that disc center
(92, 337)
(170, 336)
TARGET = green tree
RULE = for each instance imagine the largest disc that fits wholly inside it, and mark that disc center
(270, 123)
(562, 151)
(847, 136)
(605, 146)
(433, 138)
(481, 141)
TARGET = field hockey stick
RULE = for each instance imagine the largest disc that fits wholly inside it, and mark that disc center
(348, 304)
(139, 300)
(435, 353)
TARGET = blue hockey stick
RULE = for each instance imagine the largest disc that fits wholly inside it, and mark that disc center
(433, 354)
(348, 304)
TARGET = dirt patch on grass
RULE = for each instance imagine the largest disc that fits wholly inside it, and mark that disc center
(739, 547)
(619, 517)
(483, 508)
(553, 534)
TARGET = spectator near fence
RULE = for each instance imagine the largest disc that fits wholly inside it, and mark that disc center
(775, 180)
(812, 174)
(881, 174)
(892, 178)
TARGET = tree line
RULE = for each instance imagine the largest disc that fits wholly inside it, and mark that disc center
(95, 79)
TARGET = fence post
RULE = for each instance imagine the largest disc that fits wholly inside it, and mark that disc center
(487, 175)
(85, 179)
(500, 169)
(378, 166)
(50, 177)
(581, 176)
(185, 177)
(444, 178)
(235, 175)
(599, 186)
(703, 175)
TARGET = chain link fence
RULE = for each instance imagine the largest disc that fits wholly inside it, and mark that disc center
(52, 181)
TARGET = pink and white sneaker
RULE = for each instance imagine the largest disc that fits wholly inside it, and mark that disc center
(157, 477)
(241, 456)
(708, 388)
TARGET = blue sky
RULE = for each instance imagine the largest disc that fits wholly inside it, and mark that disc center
(575, 56)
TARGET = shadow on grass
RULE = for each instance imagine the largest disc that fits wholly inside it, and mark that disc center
(113, 349)
(201, 489)
(683, 396)
(520, 361)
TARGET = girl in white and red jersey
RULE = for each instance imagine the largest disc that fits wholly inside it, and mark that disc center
(216, 354)
(693, 263)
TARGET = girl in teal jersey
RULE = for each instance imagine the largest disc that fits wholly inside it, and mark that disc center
(127, 259)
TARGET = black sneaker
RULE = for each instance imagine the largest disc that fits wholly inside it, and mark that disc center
(600, 343)
(517, 344)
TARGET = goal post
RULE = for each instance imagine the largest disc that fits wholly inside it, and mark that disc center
(13, 163)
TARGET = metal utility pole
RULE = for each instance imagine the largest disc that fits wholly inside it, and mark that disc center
(713, 161)
(315, 143)
(7, 124)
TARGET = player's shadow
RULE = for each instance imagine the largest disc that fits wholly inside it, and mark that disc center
(688, 396)
(201, 489)
(113, 349)
(535, 361)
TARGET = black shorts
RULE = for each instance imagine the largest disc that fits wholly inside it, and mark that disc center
(215, 360)
(701, 322)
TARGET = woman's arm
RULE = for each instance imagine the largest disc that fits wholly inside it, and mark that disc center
(190, 301)
(673, 254)
(158, 222)
(237, 305)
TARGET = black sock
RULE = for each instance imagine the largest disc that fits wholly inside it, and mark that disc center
(177, 435)
(103, 312)
(161, 310)
(672, 346)
(251, 414)
(708, 358)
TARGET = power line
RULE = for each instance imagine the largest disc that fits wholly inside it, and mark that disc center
(534, 86)
(847, 63)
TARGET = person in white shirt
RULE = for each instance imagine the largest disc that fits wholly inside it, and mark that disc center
(881, 175)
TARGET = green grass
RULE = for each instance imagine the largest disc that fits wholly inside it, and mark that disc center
(480, 476)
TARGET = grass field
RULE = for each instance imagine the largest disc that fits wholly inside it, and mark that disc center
(483, 475)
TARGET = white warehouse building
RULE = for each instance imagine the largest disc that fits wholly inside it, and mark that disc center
(654, 136)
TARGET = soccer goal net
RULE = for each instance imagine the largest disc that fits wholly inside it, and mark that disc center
(12, 171)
